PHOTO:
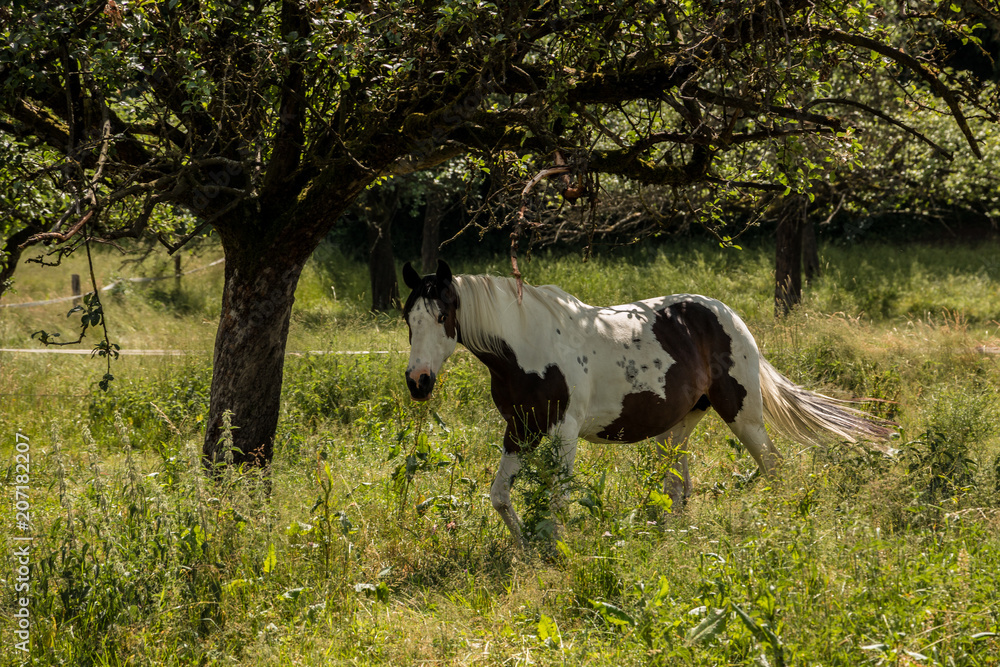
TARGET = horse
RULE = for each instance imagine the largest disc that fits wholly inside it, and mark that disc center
(618, 374)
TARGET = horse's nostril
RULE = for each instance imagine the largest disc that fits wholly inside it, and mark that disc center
(421, 385)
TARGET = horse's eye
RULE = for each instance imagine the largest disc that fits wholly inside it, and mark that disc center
(442, 317)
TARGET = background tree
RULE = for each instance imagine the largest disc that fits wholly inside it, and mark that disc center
(265, 120)
(377, 209)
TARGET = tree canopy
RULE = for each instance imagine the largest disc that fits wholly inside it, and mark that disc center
(264, 120)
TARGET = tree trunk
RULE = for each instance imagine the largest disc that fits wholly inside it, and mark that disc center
(250, 351)
(810, 251)
(382, 266)
(432, 230)
(379, 210)
(788, 257)
(10, 254)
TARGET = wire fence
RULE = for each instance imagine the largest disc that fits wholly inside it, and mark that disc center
(111, 286)
(153, 353)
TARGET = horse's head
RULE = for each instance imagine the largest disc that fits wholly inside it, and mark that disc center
(431, 314)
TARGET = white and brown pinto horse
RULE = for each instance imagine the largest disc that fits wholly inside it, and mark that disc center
(649, 369)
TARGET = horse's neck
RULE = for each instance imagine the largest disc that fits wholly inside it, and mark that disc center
(491, 321)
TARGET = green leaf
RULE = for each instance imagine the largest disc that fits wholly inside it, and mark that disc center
(380, 591)
(661, 595)
(751, 624)
(611, 613)
(875, 647)
(440, 421)
(105, 381)
(236, 584)
(710, 628)
(548, 631)
(293, 593)
(271, 560)
(298, 528)
(661, 500)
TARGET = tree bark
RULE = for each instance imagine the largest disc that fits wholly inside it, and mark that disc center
(266, 247)
(262, 271)
(432, 230)
(11, 254)
(249, 357)
(788, 257)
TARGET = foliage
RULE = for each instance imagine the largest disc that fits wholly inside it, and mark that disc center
(945, 456)
(265, 122)
(155, 406)
(346, 388)
(205, 107)
(847, 558)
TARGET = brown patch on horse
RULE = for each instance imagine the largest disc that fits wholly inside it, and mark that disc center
(694, 337)
(450, 309)
(699, 376)
(530, 403)
(644, 414)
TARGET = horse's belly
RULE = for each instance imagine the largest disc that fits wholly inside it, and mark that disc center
(627, 398)
(637, 416)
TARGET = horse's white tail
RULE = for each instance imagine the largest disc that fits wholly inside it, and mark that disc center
(811, 418)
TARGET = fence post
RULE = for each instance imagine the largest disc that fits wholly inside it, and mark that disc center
(177, 272)
(74, 281)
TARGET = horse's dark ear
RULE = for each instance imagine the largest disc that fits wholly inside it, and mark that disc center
(410, 276)
(443, 272)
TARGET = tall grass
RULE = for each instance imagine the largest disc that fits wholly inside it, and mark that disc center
(377, 543)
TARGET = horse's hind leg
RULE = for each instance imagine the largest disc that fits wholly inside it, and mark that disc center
(749, 428)
(678, 487)
(735, 395)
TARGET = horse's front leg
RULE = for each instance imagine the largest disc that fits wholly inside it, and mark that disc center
(564, 437)
(510, 465)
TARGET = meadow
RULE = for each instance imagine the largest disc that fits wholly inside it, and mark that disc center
(378, 545)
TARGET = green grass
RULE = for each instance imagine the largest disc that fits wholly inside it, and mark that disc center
(378, 544)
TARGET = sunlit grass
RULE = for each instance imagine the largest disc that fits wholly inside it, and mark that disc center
(378, 543)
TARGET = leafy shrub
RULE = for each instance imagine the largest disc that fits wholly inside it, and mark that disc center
(153, 406)
(127, 556)
(838, 362)
(342, 388)
(945, 456)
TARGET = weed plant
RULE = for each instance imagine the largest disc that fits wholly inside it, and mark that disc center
(373, 540)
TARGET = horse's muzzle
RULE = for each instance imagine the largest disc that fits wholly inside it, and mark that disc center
(420, 389)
